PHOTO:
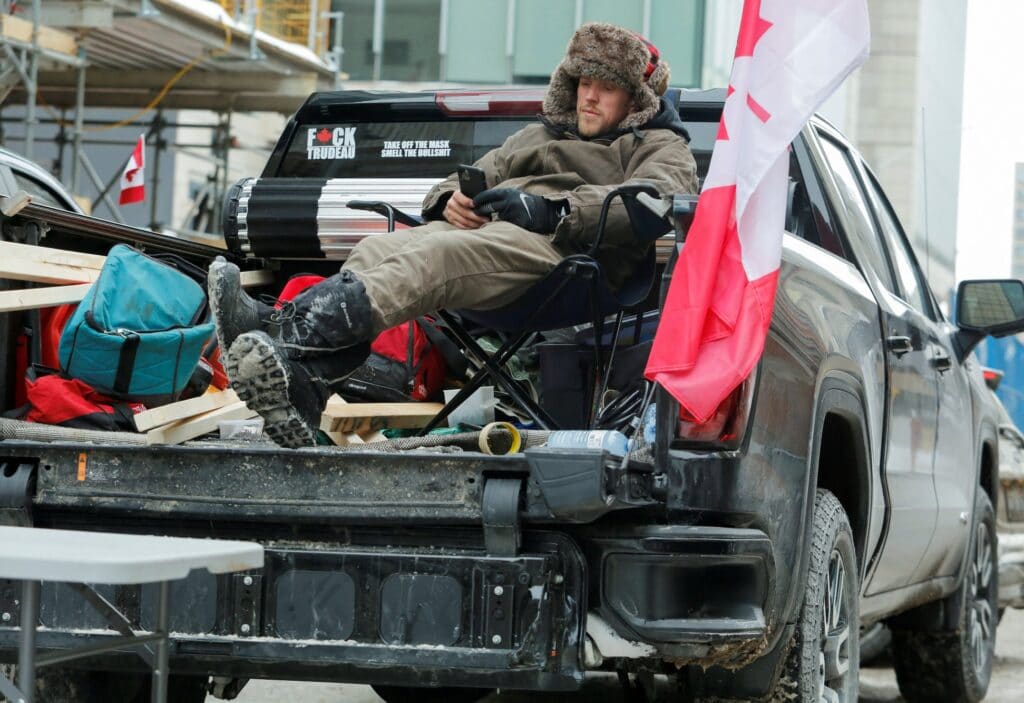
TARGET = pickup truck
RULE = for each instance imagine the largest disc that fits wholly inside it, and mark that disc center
(849, 481)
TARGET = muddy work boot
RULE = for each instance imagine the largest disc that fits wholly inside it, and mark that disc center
(329, 316)
(233, 310)
(289, 393)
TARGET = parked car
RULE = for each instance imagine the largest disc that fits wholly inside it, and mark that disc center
(1010, 508)
(18, 173)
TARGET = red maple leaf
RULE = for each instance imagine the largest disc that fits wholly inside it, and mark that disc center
(324, 135)
(752, 28)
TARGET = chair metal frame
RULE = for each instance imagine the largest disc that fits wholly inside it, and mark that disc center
(649, 218)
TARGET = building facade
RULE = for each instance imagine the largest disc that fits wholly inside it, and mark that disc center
(502, 41)
(1017, 259)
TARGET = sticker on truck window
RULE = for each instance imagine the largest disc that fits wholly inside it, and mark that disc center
(337, 143)
(395, 149)
(416, 149)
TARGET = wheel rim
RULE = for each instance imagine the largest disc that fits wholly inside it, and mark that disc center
(981, 623)
(834, 659)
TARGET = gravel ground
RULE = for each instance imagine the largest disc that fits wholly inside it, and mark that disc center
(878, 685)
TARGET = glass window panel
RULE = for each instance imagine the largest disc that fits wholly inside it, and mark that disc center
(677, 29)
(422, 149)
(357, 38)
(543, 29)
(870, 249)
(411, 34)
(475, 56)
(914, 290)
(624, 14)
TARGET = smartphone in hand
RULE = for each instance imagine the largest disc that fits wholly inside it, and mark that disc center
(471, 180)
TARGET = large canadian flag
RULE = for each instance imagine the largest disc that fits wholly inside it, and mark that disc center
(790, 56)
(133, 180)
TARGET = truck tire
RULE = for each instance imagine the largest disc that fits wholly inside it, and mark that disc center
(956, 665)
(823, 663)
(415, 694)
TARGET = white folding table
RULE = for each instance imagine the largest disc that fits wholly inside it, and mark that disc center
(32, 555)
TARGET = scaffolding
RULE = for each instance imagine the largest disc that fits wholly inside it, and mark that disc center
(154, 56)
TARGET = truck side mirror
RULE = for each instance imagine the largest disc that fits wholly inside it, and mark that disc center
(988, 307)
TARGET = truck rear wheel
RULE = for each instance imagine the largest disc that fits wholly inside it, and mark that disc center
(956, 665)
(823, 663)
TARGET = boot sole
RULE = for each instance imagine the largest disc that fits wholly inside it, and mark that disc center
(258, 375)
(215, 274)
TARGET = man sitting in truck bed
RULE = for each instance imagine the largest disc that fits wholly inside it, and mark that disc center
(604, 124)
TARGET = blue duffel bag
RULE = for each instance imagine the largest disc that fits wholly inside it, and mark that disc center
(139, 331)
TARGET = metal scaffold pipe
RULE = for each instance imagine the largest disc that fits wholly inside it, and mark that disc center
(32, 86)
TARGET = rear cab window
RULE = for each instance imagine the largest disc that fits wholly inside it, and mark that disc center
(371, 136)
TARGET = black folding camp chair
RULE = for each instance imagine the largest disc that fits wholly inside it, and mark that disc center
(574, 292)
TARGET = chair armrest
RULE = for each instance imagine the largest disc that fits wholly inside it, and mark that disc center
(683, 209)
(388, 210)
(647, 224)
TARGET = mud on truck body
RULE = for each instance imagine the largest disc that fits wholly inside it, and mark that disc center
(848, 481)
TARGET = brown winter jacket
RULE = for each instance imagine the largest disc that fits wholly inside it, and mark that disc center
(554, 161)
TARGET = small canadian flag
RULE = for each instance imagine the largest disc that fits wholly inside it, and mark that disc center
(133, 181)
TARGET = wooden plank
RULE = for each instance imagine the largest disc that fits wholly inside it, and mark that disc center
(23, 262)
(184, 430)
(342, 439)
(49, 255)
(183, 409)
(11, 205)
(15, 28)
(22, 270)
(31, 298)
(367, 417)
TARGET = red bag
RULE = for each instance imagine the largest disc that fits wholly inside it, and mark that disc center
(55, 400)
(407, 362)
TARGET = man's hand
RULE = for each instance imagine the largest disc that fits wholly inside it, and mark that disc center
(459, 212)
(532, 212)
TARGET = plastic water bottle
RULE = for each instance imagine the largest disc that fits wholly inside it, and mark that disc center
(612, 441)
(650, 423)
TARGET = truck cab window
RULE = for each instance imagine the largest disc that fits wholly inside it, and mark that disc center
(913, 288)
(870, 252)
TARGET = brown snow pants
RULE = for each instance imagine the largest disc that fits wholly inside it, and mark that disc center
(411, 272)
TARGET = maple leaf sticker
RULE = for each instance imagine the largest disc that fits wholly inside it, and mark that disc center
(323, 136)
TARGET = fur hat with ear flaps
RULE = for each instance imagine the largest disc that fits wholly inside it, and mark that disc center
(607, 52)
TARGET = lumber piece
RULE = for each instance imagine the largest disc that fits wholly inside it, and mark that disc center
(24, 262)
(16, 269)
(367, 417)
(52, 255)
(19, 30)
(31, 298)
(184, 430)
(342, 439)
(11, 205)
(183, 409)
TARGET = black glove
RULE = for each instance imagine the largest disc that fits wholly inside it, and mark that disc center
(532, 212)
